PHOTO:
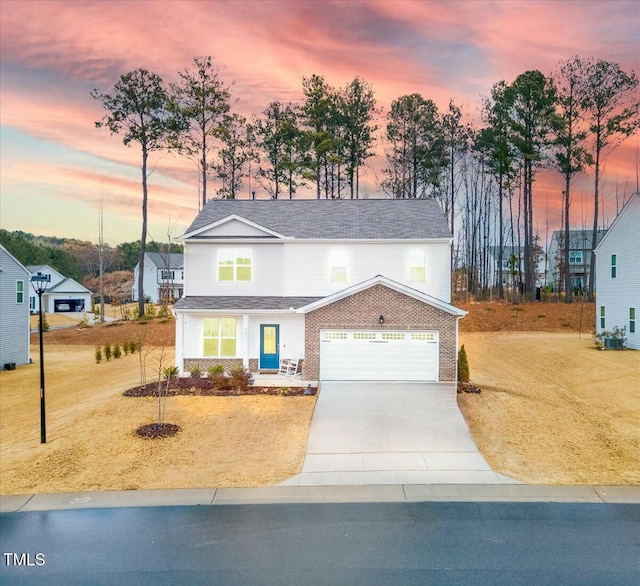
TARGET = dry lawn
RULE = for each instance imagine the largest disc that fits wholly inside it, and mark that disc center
(553, 409)
(91, 444)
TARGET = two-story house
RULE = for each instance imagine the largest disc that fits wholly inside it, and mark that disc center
(618, 275)
(163, 278)
(63, 294)
(14, 311)
(580, 247)
(358, 289)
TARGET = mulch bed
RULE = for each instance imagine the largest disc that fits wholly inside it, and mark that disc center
(157, 430)
(468, 388)
(201, 387)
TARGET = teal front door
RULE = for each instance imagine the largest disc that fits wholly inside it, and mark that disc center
(270, 347)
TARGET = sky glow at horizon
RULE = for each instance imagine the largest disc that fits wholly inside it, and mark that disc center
(55, 164)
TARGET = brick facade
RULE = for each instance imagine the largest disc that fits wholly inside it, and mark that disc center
(363, 310)
(205, 363)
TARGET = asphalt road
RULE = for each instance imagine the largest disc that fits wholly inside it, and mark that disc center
(363, 543)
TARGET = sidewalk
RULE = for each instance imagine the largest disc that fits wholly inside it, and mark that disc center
(321, 494)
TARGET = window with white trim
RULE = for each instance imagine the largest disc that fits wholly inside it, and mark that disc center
(19, 291)
(614, 266)
(575, 257)
(417, 267)
(602, 317)
(234, 264)
(338, 266)
(219, 337)
(632, 320)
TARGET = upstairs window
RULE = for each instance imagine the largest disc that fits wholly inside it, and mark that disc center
(602, 317)
(19, 291)
(417, 267)
(339, 267)
(167, 275)
(632, 320)
(234, 264)
(614, 266)
(575, 257)
(219, 337)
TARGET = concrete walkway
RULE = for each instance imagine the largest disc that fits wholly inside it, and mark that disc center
(365, 433)
(320, 494)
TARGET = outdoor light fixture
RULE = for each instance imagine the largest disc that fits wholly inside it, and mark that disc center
(381, 319)
(40, 282)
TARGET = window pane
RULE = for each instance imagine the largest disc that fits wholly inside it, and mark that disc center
(243, 256)
(228, 348)
(417, 274)
(269, 340)
(228, 328)
(632, 313)
(613, 260)
(210, 327)
(225, 273)
(210, 347)
(243, 273)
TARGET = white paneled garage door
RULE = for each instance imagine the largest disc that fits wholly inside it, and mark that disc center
(379, 355)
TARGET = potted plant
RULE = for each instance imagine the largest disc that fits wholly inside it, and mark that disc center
(612, 339)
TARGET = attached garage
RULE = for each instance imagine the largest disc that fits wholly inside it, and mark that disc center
(383, 355)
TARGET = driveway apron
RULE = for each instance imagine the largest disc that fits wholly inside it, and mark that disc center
(391, 433)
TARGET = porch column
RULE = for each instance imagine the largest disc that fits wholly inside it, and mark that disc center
(179, 342)
(245, 341)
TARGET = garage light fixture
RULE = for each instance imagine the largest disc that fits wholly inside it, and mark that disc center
(381, 319)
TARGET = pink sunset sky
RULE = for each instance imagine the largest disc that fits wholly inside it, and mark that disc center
(55, 164)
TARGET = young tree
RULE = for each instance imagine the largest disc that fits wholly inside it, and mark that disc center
(137, 110)
(200, 101)
(570, 155)
(237, 150)
(611, 104)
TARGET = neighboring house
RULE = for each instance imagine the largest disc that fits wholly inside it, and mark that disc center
(358, 289)
(14, 310)
(618, 275)
(580, 248)
(63, 294)
(512, 266)
(163, 277)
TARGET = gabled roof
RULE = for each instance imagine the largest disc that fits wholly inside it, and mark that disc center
(25, 269)
(68, 285)
(578, 239)
(380, 280)
(633, 200)
(386, 219)
(160, 259)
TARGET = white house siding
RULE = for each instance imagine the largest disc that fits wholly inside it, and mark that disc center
(150, 281)
(291, 334)
(307, 266)
(234, 228)
(618, 294)
(201, 265)
(14, 316)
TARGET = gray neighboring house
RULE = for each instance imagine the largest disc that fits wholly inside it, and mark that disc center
(580, 248)
(14, 310)
(163, 277)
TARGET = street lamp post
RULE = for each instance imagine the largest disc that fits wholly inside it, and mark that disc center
(40, 282)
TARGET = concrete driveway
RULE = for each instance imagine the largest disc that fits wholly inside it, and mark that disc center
(390, 433)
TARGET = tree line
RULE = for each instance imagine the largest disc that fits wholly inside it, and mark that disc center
(483, 174)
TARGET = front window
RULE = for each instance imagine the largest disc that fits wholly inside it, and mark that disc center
(19, 291)
(632, 320)
(219, 337)
(614, 266)
(417, 271)
(234, 264)
(167, 275)
(602, 317)
(338, 267)
(575, 257)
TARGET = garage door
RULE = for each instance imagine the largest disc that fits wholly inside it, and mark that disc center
(376, 355)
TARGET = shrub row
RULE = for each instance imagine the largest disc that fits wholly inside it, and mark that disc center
(108, 351)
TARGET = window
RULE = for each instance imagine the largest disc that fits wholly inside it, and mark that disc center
(19, 291)
(632, 320)
(219, 337)
(167, 275)
(417, 270)
(339, 267)
(575, 257)
(392, 336)
(602, 317)
(335, 335)
(32, 303)
(614, 266)
(364, 336)
(234, 264)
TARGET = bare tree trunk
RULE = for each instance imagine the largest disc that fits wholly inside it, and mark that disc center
(568, 289)
(594, 238)
(143, 236)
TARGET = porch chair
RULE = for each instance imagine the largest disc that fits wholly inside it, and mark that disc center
(294, 367)
(285, 363)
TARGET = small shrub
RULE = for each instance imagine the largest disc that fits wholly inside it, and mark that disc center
(463, 366)
(125, 347)
(164, 311)
(170, 372)
(213, 370)
(239, 379)
(107, 352)
(196, 371)
(150, 310)
(284, 390)
(98, 355)
(117, 352)
(83, 323)
(45, 324)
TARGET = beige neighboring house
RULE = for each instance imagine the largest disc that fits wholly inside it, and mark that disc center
(357, 289)
(618, 275)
